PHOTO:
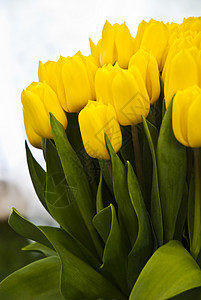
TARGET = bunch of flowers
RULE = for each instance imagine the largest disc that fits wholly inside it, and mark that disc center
(120, 131)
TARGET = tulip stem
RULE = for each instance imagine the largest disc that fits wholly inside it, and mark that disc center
(196, 240)
(137, 153)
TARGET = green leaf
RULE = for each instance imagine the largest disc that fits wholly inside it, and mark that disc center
(102, 222)
(126, 150)
(38, 176)
(61, 199)
(189, 295)
(105, 166)
(99, 200)
(75, 139)
(171, 159)
(76, 179)
(156, 213)
(38, 280)
(37, 247)
(114, 256)
(78, 279)
(170, 271)
(27, 229)
(143, 247)
(125, 208)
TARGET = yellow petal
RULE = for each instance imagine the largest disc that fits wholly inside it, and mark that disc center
(76, 83)
(194, 122)
(108, 52)
(124, 45)
(183, 72)
(130, 97)
(33, 137)
(95, 50)
(95, 119)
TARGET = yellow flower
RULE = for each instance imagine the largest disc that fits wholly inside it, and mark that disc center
(38, 101)
(148, 67)
(33, 137)
(153, 37)
(116, 44)
(186, 116)
(130, 97)
(103, 83)
(72, 78)
(183, 71)
(95, 119)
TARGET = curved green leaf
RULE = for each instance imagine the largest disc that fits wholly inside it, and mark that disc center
(37, 174)
(37, 247)
(143, 247)
(171, 159)
(114, 256)
(76, 179)
(156, 213)
(27, 229)
(38, 280)
(170, 271)
(78, 279)
(125, 208)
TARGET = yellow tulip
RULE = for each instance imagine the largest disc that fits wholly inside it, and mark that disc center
(72, 78)
(131, 100)
(153, 37)
(95, 119)
(148, 67)
(183, 71)
(103, 83)
(38, 101)
(186, 116)
(33, 137)
(116, 44)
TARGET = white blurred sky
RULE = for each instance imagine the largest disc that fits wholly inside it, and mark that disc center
(33, 30)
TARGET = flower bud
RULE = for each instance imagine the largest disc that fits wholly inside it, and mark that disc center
(130, 97)
(186, 120)
(148, 67)
(33, 137)
(72, 78)
(38, 101)
(95, 119)
(103, 83)
(116, 44)
(153, 37)
(183, 71)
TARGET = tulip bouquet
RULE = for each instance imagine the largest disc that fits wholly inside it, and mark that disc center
(120, 132)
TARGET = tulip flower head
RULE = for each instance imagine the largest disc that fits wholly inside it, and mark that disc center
(38, 101)
(186, 116)
(72, 79)
(116, 44)
(148, 67)
(95, 119)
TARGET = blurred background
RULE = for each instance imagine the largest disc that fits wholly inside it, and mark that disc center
(33, 30)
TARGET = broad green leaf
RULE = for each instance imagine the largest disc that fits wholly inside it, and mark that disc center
(78, 279)
(37, 247)
(61, 199)
(38, 280)
(38, 176)
(156, 213)
(76, 179)
(143, 247)
(27, 229)
(171, 159)
(169, 272)
(193, 294)
(114, 256)
(125, 208)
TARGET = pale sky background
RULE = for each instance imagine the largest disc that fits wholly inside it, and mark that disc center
(33, 30)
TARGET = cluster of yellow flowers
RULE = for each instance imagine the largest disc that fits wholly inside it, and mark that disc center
(118, 82)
